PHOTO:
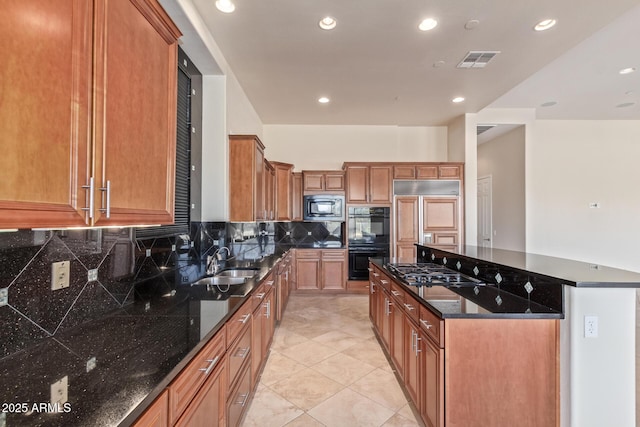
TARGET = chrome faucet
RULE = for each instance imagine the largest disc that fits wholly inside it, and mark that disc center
(212, 260)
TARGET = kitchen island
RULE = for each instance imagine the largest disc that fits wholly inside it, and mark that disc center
(597, 334)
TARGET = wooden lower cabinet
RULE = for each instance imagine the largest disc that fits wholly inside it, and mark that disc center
(463, 372)
(156, 415)
(208, 407)
(321, 269)
(239, 399)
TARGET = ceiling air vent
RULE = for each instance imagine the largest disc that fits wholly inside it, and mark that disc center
(483, 128)
(477, 59)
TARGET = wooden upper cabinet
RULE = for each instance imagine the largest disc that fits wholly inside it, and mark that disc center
(45, 112)
(296, 196)
(135, 118)
(67, 122)
(440, 214)
(283, 191)
(369, 183)
(406, 219)
(269, 190)
(427, 171)
(323, 182)
(246, 178)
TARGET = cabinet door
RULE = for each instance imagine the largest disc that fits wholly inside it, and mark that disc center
(440, 214)
(380, 184)
(404, 172)
(385, 319)
(135, 115)
(449, 171)
(397, 337)
(357, 184)
(296, 197)
(238, 400)
(45, 111)
(283, 192)
(406, 252)
(427, 172)
(157, 414)
(334, 271)
(406, 218)
(313, 181)
(259, 190)
(208, 407)
(411, 358)
(432, 373)
(268, 322)
(307, 273)
(256, 340)
(334, 182)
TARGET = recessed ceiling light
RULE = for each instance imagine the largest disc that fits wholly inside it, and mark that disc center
(545, 24)
(438, 64)
(225, 6)
(323, 100)
(458, 99)
(327, 23)
(427, 24)
(548, 104)
(471, 24)
(627, 70)
(625, 105)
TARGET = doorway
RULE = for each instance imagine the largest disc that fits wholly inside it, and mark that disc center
(485, 212)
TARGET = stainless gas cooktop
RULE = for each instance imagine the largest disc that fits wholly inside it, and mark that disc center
(428, 274)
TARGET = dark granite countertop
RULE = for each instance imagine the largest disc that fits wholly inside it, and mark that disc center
(570, 272)
(117, 365)
(474, 301)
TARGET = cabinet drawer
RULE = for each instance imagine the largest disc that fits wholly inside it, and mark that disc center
(239, 399)
(186, 385)
(398, 293)
(258, 297)
(334, 254)
(238, 321)
(411, 307)
(308, 253)
(238, 353)
(432, 325)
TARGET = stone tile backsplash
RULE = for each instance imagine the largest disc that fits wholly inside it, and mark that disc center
(129, 269)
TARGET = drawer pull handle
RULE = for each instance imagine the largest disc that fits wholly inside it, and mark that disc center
(396, 293)
(270, 283)
(386, 282)
(212, 363)
(242, 399)
(245, 318)
(409, 307)
(370, 269)
(260, 295)
(242, 352)
(426, 324)
(376, 275)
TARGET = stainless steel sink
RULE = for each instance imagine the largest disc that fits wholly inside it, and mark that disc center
(220, 280)
(237, 272)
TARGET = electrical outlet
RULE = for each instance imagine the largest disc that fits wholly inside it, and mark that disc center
(591, 326)
(60, 391)
(92, 275)
(91, 364)
(60, 275)
(4, 296)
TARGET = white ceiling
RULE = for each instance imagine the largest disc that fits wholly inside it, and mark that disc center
(377, 68)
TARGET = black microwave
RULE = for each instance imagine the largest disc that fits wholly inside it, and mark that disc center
(321, 207)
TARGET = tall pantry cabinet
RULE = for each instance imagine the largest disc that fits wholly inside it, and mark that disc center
(87, 113)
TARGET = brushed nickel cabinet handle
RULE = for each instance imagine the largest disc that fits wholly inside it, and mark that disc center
(212, 363)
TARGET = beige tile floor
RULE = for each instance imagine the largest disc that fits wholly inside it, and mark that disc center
(327, 369)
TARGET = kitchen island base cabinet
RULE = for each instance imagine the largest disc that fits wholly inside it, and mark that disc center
(156, 415)
(208, 407)
(469, 371)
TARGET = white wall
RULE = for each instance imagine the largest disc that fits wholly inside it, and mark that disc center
(319, 147)
(226, 109)
(503, 159)
(574, 163)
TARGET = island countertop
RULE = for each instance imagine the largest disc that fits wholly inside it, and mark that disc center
(570, 272)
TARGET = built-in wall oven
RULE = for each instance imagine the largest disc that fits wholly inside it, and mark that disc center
(368, 236)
